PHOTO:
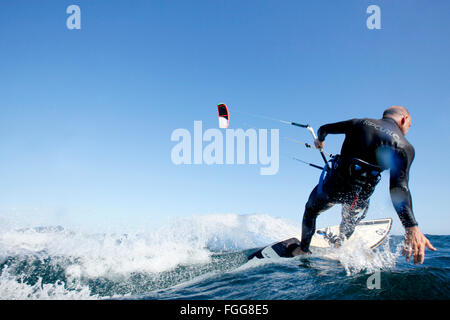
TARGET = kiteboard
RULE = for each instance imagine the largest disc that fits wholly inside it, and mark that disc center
(370, 233)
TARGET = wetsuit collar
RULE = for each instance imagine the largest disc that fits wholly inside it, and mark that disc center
(391, 120)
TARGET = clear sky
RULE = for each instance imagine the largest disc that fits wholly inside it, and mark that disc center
(86, 115)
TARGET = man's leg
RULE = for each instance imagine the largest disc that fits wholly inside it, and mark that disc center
(351, 215)
(317, 203)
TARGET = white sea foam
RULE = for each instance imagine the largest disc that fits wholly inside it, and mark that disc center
(158, 254)
(12, 287)
(356, 257)
(185, 241)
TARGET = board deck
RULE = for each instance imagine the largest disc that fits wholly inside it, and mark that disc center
(371, 233)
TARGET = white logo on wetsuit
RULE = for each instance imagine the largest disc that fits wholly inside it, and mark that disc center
(381, 129)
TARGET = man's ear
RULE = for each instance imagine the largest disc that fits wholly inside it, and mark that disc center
(403, 121)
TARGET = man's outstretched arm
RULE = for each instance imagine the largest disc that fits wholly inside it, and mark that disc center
(415, 241)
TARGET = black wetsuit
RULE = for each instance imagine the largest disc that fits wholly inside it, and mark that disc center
(379, 143)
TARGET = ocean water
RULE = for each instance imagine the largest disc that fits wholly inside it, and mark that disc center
(205, 257)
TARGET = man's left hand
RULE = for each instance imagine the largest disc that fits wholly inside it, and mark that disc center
(415, 243)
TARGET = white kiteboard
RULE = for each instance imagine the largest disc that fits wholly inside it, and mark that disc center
(370, 234)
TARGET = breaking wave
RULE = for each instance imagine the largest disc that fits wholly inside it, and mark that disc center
(198, 257)
(54, 262)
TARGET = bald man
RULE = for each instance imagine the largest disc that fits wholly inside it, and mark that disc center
(370, 147)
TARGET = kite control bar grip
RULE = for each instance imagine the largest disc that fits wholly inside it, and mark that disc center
(321, 150)
(311, 130)
(306, 126)
(299, 125)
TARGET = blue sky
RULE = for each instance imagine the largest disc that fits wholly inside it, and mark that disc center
(86, 115)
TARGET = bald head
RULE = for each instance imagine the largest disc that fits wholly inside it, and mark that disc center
(395, 111)
(400, 115)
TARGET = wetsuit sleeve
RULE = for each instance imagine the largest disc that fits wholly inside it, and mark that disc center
(399, 189)
(335, 128)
